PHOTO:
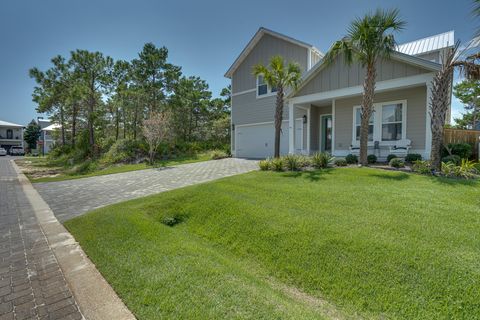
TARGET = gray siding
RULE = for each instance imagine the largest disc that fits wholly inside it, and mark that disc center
(268, 46)
(431, 56)
(246, 108)
(341, 75)
(416, 113)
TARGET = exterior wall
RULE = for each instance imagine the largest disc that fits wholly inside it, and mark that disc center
(341, 75)
(416, 116)
(299, 113)
(315, 57)
(268, 46)
(431, 56)
(246, 108)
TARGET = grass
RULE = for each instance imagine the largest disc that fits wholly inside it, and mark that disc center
(62, 173)
(353, 242)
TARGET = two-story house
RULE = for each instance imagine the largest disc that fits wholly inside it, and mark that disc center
(11, 134)
(323, 113)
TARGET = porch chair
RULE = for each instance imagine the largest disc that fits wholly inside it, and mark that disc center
(401, 148)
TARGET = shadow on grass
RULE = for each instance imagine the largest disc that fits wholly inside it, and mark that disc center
(312, 175)
(395, 177)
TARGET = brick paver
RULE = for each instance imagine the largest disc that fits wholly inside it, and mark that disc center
(72, 198)
(32, 285)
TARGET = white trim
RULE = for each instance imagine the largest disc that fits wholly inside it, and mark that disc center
(320, 135)
(302, 150)
(256, 123)
(291, 128)
(308, 128)
(233, 140)
(428, 123)
(243, 92)
(351, 91)
(333, 126)
(309, 59)
(377, 123)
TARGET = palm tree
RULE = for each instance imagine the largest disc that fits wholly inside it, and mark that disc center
(368, 40)
(441, 94)
(282, 77)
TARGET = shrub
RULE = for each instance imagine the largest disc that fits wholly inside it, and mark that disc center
(422, 167)
(341, 162)
(456, 160)
(218, 154)
(123, 151)
(390, 157)
(264, 164)
(351, 159)
(293, 162)
(463, 150)
(465, 170)
(83, 168)
(322, 160)
(477, 167)
(277, 164)
(371, 158)
(396, 163)
(412, 157)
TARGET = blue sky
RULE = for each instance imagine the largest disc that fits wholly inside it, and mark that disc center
(204, 37)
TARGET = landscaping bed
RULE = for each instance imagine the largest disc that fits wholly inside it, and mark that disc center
(355, 242)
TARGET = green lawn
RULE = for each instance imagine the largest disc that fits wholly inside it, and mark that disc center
(326, 244)
(42, 162)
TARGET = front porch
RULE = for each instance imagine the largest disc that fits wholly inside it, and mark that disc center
(333, 125)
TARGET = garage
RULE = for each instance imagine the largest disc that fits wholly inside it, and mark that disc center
(258, 140)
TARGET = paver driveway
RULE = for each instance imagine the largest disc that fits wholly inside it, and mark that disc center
(72, 198)
(32, 285)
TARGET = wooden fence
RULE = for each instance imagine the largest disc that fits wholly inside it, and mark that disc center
(471, 137)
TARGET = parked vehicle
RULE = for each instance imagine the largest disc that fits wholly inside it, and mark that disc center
(3, 152)
(17, 151)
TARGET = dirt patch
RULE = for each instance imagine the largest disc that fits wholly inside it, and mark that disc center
(36, 170)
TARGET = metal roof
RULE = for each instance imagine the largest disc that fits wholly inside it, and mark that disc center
(9, 124)
(429, 44)
(52, 127)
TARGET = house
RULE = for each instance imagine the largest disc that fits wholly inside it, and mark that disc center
(46, 139)
(323, 113)
(11, 134)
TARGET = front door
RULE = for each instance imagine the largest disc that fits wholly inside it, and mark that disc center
(326, 133)
(299, 136)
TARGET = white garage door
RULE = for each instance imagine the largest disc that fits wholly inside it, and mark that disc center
(258, 141)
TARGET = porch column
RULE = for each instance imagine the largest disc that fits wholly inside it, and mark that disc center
(291, 128)
(333, 126)
(428, 123)
(308, 128)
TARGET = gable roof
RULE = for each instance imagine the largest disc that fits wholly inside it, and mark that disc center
(9, 124)
(52, 127)
(256, 38)
(428, 44)
(412, 60)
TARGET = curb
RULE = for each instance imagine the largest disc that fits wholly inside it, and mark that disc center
(94, 296)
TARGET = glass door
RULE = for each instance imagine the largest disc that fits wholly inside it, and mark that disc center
(326, 123)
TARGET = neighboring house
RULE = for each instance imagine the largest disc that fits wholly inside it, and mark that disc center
(323, 114)
(11, 134)
(46, 139)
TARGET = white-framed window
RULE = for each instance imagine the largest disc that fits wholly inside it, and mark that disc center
(392, 122)
(388, 123)
(263, 89)
(358, 121)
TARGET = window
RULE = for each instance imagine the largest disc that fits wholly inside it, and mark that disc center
(358, 121)
(262, 87)
(392, 122)
(9, 134)
(387, 123)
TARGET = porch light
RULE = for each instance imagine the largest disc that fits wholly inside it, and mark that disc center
(304, 118)
(233, 127)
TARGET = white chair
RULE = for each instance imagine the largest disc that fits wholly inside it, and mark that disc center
(355, 149)
(401, 147)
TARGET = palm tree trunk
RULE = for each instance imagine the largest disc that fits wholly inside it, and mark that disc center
(367, 110)
(278, 120)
